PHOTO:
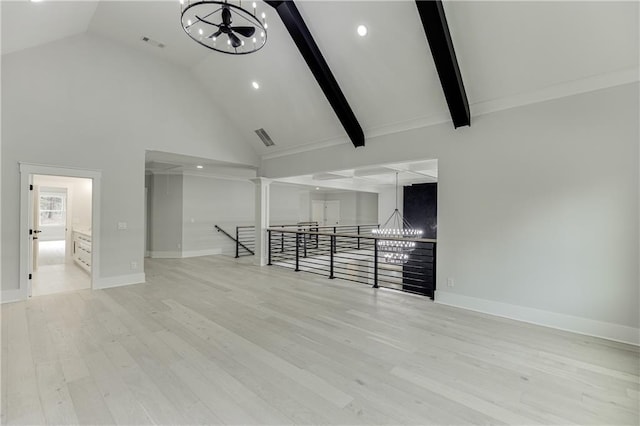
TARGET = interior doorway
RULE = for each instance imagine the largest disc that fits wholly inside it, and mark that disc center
(62, 234)
(59, 212)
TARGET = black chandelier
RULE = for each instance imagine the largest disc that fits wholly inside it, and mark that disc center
(396, 250)
(224, 26)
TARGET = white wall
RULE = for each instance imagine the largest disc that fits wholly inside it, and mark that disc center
(165, 215)
(387, 202)
(366, 208)
(537, 207)
(213, 201)
(287, 204)
(81, 191)
(89, 103)
(355, 207)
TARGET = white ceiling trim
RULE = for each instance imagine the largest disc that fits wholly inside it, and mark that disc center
(207, 175)
(571, 88)
(558, 91)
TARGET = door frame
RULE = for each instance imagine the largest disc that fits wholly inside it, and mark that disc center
(27, 170)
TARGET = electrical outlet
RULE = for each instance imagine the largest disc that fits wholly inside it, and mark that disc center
(450, 282)
(134, 266)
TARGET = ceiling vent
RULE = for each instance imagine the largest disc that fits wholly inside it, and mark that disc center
(153, 42)
(264, 137)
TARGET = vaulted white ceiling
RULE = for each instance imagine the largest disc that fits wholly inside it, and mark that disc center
(509, 53)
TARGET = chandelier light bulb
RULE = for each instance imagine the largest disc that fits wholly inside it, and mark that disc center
(254, 40)
(189, 22)
(362, 30)
(265, 26)
(264, 15)
(200, 31)
(182, 2)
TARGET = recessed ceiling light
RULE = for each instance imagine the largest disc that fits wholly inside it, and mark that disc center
(362, 30)
(317, 188)
(199, 167)
(255, 84)
(36, 1)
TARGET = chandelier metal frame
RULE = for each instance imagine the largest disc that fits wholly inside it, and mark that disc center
(396, 251)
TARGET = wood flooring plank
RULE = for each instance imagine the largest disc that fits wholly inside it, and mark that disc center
(4, 361)
(171, 385)
(156, 405)
(310, 381)
(54, 394)
(23, 397)
(123, 406)
(238, 392)
(217, 340)
(89, 405)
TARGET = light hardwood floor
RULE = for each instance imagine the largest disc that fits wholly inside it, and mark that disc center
(212, 340)
(57, 273)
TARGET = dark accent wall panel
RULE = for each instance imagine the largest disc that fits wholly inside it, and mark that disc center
(420, 208)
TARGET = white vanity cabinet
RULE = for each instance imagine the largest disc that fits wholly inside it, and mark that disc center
(82, 249)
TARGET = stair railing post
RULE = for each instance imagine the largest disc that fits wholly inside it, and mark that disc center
(331, 248)
(237, 245)
(335, 247)
(358, 237)
(282, 241)
(297, 252)
(269, 247)
(375, 263)
(304, 242)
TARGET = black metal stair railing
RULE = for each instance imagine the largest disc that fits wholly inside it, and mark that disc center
(239, 244)
(246, 240)
(354, 257)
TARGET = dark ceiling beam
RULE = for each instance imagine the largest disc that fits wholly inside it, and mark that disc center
(302, 37)
(437, 32)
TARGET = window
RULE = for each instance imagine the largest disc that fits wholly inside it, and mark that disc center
(52, 209)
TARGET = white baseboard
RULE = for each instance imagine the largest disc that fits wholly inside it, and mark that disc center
(165, 254)
(119, 281)
(182, 254)
(14, 295)
(198, 253)
(589, 327)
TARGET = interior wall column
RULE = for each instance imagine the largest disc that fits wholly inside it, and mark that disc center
(261, 219)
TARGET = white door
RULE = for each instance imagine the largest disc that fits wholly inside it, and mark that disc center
(35, 226)
(317, 211)
(332, 212)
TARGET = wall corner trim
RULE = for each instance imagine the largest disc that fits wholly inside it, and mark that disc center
(580, 325)
(120, 280)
